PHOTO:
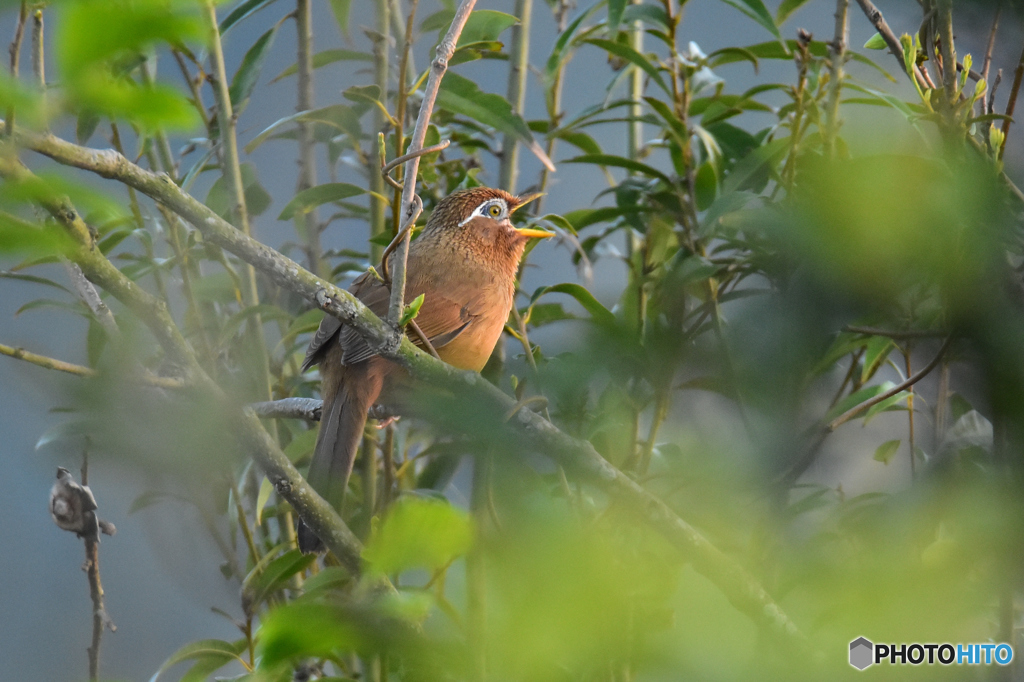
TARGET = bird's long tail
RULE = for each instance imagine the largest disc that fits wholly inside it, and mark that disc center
(341, 431)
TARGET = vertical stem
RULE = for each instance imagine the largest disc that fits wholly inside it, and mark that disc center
(92, 562)
(15, 51)
(838, 50)
(437, 71)
(380, 70)
(944, 19)
(404, 67)
(38, 58)
(519, 63)
(231, 170)
(554, 102)
(910, 411)
(368, 472)
(307, 222)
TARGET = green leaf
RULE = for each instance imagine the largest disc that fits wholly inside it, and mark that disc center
(85, 125)
(856, 398)
(884, 406)
(616, 8)
(261, 584)
(327, 57)
(620, 162)
(460, 95)
(786, 8)
(367, 94)
(483, 25)
(266, 487)
(21, 238)
(308, 199)
(650, 14)
(418, 532)
(754, 163)
(339, 116)
(341, 10)
(756, 10)
(598, 312)
(248, 72)
(242, 10)
(209, 650)
(305, 630)
(886, 450)
(411, 310)
(876, 42)
(560, 52)
(633, 57)
(221, 200)
(877, 350)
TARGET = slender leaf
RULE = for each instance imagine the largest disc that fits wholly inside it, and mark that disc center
(598, 312)
(248, 72)
(308, 199)
(327, 57)
(633, 57)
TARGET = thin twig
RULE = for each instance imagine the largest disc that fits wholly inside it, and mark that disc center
(987, 64)
(394, 163)
(895, 334)
(309, 220)
(874, 15)
(427, 346)
(381, 39)
(838, 50)
(868, 404)
(38, 58)
(445, 50)
(385, 272)
(1011, 105)
(519, 62)
(309, 409)
(944, 18)
(15, 50)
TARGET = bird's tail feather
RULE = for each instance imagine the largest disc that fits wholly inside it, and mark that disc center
(341, 430)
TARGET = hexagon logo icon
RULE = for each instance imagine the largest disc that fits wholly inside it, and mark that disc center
(861, 653)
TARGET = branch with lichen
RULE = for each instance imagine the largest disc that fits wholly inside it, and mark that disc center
(153, 312)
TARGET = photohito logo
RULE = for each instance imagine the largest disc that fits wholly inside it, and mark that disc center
(865, 653)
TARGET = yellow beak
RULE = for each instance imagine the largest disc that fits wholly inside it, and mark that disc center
(530, 232)
(527, 231)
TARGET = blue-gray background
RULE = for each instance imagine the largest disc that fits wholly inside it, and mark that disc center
(161, 570)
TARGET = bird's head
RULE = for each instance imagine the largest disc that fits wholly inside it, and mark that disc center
(484, 213)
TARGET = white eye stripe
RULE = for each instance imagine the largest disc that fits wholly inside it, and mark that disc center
(483, 211)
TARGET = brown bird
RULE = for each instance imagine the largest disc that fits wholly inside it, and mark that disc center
(465, 264)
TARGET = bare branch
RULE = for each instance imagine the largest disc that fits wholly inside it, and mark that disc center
(987, 64)
(1011, 105)
(874, 15)
(445, 50)
(868, 404)
(838, 51)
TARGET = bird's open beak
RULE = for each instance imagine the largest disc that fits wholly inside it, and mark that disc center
(527, 231)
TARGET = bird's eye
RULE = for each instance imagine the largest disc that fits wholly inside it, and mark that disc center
(494, 211)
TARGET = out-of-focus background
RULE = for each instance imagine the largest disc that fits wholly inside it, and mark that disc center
(160, 572)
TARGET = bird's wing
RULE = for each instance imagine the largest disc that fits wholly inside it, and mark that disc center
(372, 292)
(440, 318)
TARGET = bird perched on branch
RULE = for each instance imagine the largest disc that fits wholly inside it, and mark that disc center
(465, 264)
(73, 507)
